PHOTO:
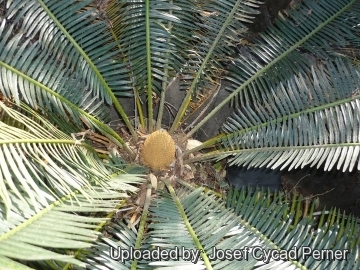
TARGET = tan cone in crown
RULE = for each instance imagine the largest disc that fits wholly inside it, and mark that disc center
(158, 151)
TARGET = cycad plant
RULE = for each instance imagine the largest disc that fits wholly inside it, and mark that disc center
(65, 202)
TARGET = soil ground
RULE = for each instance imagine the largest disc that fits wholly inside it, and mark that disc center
(330, 189)
(333, 188)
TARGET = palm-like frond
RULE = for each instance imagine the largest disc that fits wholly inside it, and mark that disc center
(147, 36)
(154, 37)
(318, 28)
(48, 182)
(175, 30)
(63, 62)
(221, 26)
(293, 109)
(159, 39)
(37, 157)
(299, 123)
(197, 220)
(63, 225)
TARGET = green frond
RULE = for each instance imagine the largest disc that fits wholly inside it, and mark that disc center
(297, 101)
(221, 22)
(39, 165)
(35, 157)
(221, 28)
(291, 46)
(154, 40)
(336, 233)
(196, 220)
(161, 50)
(298, 123)
(318, 29)
(19, 238)
(62, 63)
(104, 254)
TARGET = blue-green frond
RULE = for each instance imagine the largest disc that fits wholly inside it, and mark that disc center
(199, 222)
(169, 38)
(37, 157)
(317, 31)
(74, 229)
(221, 28)
(298, 123)
(41, 61)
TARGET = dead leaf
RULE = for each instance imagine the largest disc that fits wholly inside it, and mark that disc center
(153, 180)
(191, 143)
